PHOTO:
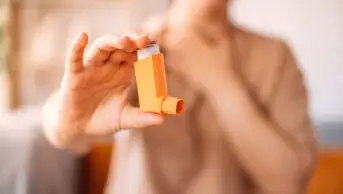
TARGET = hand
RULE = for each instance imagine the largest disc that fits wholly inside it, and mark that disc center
(95, 88)
(196, 43)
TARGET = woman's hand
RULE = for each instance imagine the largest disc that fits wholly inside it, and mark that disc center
(94, 91)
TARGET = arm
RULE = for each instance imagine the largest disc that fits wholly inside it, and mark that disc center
(277, 150)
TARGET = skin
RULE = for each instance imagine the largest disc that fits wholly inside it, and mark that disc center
(92, 86)
(93, 99)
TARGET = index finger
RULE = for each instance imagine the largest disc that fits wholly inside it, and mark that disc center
(110, 43)
(104, 46)
(142, 40)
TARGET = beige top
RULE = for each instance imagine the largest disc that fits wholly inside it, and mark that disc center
(187, 154)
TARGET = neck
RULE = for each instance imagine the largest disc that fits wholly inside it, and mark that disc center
(215, 10)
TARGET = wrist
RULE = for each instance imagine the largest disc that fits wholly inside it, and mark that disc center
(78, 143)
(61, 134)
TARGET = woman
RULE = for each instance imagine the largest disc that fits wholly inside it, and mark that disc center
(245, 128)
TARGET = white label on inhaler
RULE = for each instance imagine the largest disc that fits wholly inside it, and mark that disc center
(148, 51)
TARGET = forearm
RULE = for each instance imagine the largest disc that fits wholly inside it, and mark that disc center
(271, 157)
(54, 130)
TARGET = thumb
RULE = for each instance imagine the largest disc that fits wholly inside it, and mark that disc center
(134, 118)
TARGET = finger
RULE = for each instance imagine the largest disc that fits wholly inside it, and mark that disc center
(132, 59)
(100, 50)
(127, 44)
(134, 118)
(143, 41)
(139, 33)
(104, 46)
(118, 57)
(74, 59)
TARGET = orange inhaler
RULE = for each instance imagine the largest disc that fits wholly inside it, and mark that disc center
(151, 83)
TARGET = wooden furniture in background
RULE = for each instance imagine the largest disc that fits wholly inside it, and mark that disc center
(97, 167)
(9, 71)
(327, 179)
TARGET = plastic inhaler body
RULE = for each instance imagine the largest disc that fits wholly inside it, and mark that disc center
(151, 83)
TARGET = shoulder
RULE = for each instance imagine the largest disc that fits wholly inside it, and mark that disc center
(263, 60)
(265, 45)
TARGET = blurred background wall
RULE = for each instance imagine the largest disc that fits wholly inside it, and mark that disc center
(47, 27)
